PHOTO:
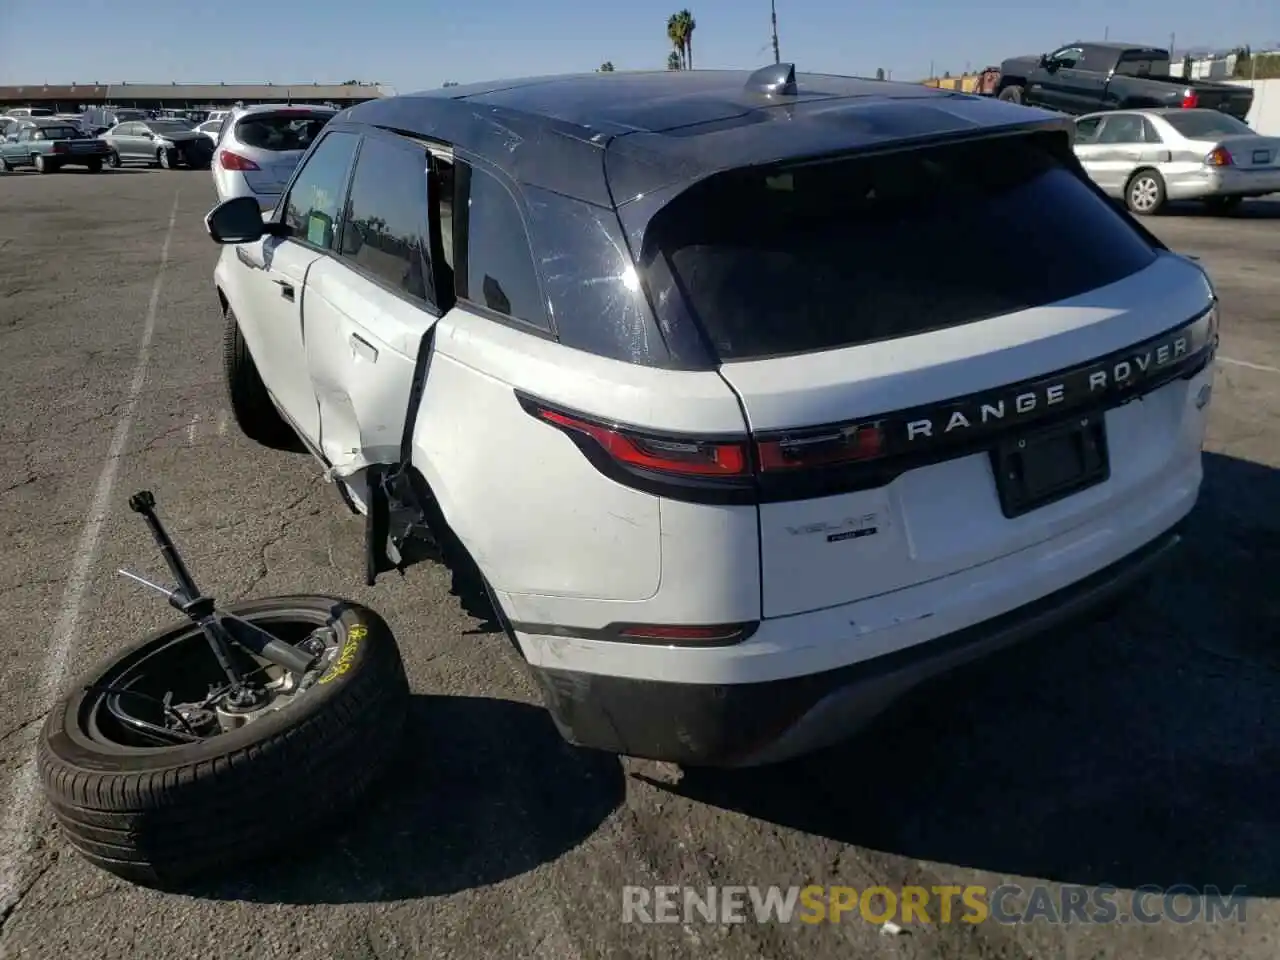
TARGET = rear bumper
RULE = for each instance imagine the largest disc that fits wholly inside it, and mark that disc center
(748, 724)
(1226, 182)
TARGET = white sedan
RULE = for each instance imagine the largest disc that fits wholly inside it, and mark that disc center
(260, 146)
(1148, 157)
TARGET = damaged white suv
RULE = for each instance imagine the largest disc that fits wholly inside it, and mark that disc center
(702, 372)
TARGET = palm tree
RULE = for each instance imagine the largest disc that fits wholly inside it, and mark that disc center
(606, 67)
(688, 25)
(675, 33)
(673, 61)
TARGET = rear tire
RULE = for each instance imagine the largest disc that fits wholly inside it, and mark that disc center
(95, 166)
(163, 816)
(251, 405)
(42, 165)
(5, 166)
(163, 158)
(113, 160)
(1011, 94)
(1144, 194)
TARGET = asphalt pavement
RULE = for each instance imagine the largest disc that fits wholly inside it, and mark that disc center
(1143, 751)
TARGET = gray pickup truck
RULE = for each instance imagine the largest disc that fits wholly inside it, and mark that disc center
(1086, 77)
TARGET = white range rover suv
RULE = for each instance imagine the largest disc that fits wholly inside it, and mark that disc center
(701, 371)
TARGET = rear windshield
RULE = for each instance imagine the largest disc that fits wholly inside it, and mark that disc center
(1203, 124)
(280, 131)
(56, 133)
(168, 126)
(823, 256)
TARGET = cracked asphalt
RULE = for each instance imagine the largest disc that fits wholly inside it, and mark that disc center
(1143, 751)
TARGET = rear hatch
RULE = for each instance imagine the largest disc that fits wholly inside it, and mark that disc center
(890, 323)
(275, 141)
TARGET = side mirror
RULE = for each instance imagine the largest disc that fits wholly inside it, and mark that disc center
(239, 220)
(1044, 60)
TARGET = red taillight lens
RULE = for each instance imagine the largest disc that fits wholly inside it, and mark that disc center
(59, 148)
(1219, 157)
(721, 633)
(233, 161)
(844, 445)
(690, 458)
(1190, 99)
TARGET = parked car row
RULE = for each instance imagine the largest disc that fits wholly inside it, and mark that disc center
(252, 150)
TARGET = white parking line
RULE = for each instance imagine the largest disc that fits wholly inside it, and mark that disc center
(1249, 366)
(22, 805)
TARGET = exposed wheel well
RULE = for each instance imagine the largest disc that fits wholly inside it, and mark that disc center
(222, 301)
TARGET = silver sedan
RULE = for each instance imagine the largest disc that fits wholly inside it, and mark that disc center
(1147, 157)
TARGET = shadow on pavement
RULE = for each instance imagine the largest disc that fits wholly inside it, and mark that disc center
(1259, 209)
(1146, 750)
(485, 790)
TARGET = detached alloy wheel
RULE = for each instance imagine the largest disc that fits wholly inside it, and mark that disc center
(156, 778)
(1144, 194)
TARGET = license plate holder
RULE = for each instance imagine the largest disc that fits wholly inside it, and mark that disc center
(1040, 467)
(1262, 156)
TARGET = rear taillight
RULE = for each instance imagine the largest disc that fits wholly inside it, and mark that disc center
(59, 148)
(820, 449)
(670, 455)
(726, 462)
(1190, 99)
(1219, 157)
(233, 161)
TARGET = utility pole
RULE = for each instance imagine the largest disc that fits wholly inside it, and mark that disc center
(773, 10)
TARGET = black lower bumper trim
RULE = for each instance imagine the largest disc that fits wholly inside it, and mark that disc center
(753, 723)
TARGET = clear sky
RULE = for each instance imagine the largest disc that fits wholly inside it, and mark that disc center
(418, 44)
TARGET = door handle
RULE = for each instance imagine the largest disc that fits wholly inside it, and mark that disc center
(286, 288)
(363, 348)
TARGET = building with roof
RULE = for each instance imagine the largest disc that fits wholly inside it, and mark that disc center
(74, 97)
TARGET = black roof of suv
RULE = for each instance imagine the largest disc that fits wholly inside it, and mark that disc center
(672, 127)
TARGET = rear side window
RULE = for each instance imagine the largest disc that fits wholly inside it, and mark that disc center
(498, 271)
(823, 256)
(318, 189)
(1206, 124)
(385, 229)
(280, 132)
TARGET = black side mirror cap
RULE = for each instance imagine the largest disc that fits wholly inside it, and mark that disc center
(239, 220)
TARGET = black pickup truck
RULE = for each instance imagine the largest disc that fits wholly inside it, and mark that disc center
(1086, 77)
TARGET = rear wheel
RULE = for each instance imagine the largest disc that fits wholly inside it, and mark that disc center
(251, 405)
(113, 160)
(5, 166)
(156, 780)
(1144, 194)
(164, 159)
(1011, 94)
(95, 166)
(44, 166)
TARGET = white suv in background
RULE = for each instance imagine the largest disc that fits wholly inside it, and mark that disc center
(259, 147)
(669, 358)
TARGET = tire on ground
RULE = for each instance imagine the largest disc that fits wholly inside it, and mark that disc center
(166, 816)
(1011, 94)
(251, 405)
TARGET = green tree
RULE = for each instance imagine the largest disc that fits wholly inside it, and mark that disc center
(680, 27)
(673, 61)
(606, 67)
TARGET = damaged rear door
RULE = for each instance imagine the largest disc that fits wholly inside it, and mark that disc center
(369, 309)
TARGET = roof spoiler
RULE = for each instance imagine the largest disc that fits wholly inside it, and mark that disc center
(774, 81)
